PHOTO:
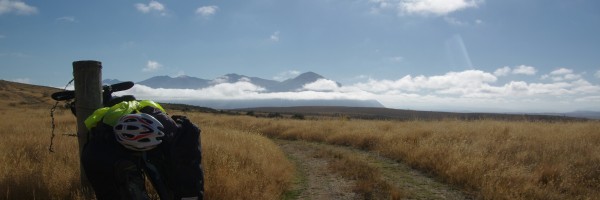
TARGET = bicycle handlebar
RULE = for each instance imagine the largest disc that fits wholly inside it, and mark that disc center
(63, 95)
(106, 90)
(118, 86)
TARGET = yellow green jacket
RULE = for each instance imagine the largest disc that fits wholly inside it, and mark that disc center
(111, 115)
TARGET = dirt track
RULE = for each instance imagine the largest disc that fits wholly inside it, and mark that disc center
(318, 181)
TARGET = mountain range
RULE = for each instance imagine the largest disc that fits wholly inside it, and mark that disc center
(189, 82)
(290, 85)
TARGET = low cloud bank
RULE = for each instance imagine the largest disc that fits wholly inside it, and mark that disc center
(561, 90)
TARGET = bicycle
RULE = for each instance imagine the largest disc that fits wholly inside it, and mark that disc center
(142, 160)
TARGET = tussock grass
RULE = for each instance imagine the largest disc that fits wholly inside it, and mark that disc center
(492, 159)
(27, 169)
(369, 183)
(244, 166)
(238, 164)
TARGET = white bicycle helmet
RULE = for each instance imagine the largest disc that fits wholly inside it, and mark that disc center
(139, 132)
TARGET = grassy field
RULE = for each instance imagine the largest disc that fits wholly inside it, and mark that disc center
(490, 159)
(236, 162)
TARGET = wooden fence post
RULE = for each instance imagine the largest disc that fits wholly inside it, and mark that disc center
(88, 93)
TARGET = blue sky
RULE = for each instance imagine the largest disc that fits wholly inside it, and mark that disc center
(480, 55)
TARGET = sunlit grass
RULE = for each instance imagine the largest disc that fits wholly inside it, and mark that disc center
(238, 165)
(244, 166)
(493, 159)
(28, 170)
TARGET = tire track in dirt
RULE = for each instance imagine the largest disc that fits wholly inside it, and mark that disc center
(315, 181)
(318, 182)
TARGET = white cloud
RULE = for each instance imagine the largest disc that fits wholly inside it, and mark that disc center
(524, 69)
(321, 85)
(274, 37)
(219, 80)
(562, 74)
(19, 7)
(572, 76)
(451, 82)
(436, 7)
(561, 71)
(152, 66)
(150, 7)
(592, 99)
(237, 91)
(584, 87)
(597, 74)
(521, 69)
(233, 89)
(469, 88)
(502, 71)
(206, 11)
(424, 7)
(244, 79)
(478, 21)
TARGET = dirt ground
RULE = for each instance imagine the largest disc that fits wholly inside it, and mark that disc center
(317, 181)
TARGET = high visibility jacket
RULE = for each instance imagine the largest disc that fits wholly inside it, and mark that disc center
(111, 115)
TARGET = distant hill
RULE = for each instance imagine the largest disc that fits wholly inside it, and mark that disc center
(290, 85)
(20, 95)
(298, 82)
(233, 78)
(239, 104)
(110, 81)
(180, 82)
(583, 114)
(188, 82)
(398, 114)
(187, 108)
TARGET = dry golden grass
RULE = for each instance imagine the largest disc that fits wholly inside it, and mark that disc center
(492, 159)
(242, 165)
(27, 169)
(369, 183)
(237, 165)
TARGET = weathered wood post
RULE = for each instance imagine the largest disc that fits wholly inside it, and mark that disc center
(88, 93)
